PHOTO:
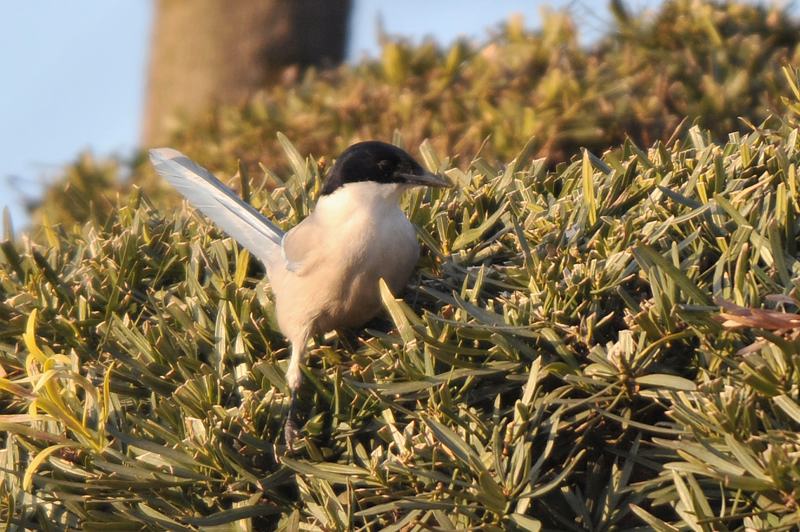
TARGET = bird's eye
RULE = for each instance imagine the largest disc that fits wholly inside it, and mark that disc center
(385, 166)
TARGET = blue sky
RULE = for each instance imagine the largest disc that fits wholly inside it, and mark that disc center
(75, 71)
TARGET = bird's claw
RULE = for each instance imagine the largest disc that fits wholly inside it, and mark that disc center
(290, 432)
(291, 429)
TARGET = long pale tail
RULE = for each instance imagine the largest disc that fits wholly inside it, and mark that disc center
(205, 192)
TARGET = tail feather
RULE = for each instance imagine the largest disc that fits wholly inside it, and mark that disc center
(206, 193)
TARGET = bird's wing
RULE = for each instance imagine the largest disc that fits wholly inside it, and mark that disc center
(205, 192)
(299, 242)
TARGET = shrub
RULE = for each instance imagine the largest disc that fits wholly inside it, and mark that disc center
(709, 63)
(558, 361)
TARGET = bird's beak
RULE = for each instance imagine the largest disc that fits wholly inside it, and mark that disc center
(426, 179)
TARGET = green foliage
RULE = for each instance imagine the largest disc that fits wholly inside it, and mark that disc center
(557, 362)
(86, 191)
(709, 62)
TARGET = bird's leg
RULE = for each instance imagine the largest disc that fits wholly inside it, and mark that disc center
(294, 378)
(291, 428)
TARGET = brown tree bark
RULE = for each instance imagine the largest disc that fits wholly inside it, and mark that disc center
(215, 50)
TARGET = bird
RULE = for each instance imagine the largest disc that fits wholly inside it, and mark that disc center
(324, 272)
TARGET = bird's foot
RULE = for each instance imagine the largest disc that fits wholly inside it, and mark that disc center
(291, 431)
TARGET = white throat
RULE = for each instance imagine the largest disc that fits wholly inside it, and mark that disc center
(363, 194)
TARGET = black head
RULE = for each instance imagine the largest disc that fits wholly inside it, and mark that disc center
(379, 162)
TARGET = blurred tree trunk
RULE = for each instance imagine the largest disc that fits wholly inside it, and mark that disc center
(214, 50)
